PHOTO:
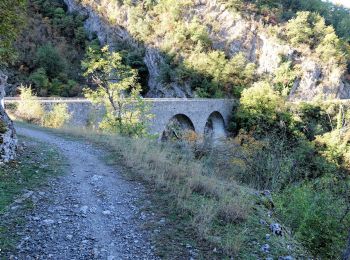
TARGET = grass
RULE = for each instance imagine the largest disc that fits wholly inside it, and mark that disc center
(222, 217)
(35, 164)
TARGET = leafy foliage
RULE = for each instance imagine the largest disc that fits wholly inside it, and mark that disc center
(262, 109)
(31, 110)
(118, 90)
(301, 152)
(222, 76)
(11, 13)
(57, 117)
(48, 58)
(317, 218)
(310, 29)
(285, 77)
(283, 10)
(50, 49)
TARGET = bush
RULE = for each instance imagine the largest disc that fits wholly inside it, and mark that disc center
(40, 81)
(48, 58)
(234, 4)
(262, 109)
(29, 109)
(212, 74)
(284, 78)
(311, 119)
(316, 218)
(273, 161)
(57, 117)
(300, 30)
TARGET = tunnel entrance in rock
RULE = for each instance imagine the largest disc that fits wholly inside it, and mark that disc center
(215, 126)
(179, 127)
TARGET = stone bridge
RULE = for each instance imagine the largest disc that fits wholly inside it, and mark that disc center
(201, 115)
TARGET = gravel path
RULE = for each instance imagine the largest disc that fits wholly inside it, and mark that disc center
(89, 213)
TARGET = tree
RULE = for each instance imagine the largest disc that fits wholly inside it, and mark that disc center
(222, 75)
(262, 109)
(117, 89)
(300, 29)
(49, 58)
(40, 81)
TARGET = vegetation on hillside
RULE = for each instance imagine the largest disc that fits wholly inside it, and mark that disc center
(283, 10)
(191, 56)
(57, 42)
(50, 49)
(12, 20)
(187, 49)
(299, 152)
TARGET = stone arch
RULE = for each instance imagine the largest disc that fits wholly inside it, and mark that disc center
(215, 126)
(177, 127)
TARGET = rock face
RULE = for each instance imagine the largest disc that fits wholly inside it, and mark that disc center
(153, 60)
(229, 32)
(8, 139)
(109, 34)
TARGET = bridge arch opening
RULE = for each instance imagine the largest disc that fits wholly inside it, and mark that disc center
(179, 127)
(215, 126)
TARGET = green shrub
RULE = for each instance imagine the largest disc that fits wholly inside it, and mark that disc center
(212, 74)
(311, 119)
(234, 4)
(262, 109)
(3, 127)
(273, 161)
(300, 30)
(48, 58)
(57, 117)
(40, 81)
(316, 217)
(285, 77)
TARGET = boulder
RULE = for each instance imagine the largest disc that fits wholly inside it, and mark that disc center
(8, 139)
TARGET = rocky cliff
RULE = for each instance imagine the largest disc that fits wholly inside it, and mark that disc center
(228, 31)
(8, 139)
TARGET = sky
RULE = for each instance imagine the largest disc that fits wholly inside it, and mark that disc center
(343, 2)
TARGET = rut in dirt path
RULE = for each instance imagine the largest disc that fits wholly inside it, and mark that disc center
(89, 213)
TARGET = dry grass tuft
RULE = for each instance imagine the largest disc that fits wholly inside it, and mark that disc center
(205, 186)
(204, 218)
(234, 209)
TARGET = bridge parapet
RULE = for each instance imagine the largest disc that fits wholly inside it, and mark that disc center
(198, 111)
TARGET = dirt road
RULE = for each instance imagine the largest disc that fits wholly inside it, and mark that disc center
(91, 212)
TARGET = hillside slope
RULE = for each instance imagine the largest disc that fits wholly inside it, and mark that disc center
(175, 42)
